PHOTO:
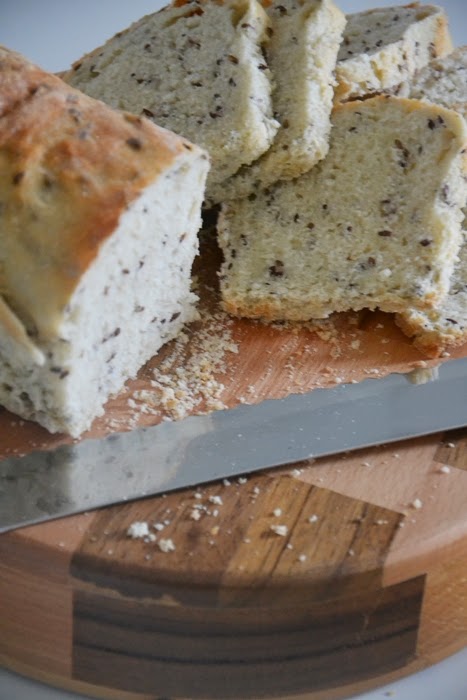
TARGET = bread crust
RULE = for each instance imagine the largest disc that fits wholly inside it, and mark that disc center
(297, 309)
(431, 343)
(15, 333)
(69, 167)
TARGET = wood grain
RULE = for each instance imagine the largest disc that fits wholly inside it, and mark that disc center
(360, 588)
(146, 648)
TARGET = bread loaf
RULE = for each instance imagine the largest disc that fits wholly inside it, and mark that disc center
(376, 224)
(301, 55)
(195, 67)
(384, 47)
(99, 218)
(443, 81)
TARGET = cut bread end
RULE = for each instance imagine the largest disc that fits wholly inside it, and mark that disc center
(135, 297)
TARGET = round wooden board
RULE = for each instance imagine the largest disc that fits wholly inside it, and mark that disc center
(360, 588)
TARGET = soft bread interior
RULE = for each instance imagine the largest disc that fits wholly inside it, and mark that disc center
(376, 224)
(135, 297)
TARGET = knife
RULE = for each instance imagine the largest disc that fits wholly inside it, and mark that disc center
(225, 444)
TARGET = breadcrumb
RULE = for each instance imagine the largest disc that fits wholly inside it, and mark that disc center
(166, 546)
(138, 530)
(281, 530)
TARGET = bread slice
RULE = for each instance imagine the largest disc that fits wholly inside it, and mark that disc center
(384, 47)
(301, 54)
(435, 330)
(375, 224)
(444, 82)
(100, 213)
(195, 67)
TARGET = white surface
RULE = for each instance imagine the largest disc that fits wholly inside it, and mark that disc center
(54, 33)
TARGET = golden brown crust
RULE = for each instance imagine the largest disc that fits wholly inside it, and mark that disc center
(424, 342)
(297, 309)
(431, 343)
(69, 167)
(14, 330)
(443, 42)
(408, 103)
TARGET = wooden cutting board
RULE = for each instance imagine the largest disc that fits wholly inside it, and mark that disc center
(364, 580)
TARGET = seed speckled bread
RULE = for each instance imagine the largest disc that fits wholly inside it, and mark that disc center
(301, 55)
(99, 220)
(376, 224)
(197, 68)
(443, 82)
(435, 330)
(384, 47)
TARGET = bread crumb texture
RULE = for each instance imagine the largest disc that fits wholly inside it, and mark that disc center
(388, 197)
(196, 68)
(384, 47)
(301, 55)
(100, 215)
(444, 82)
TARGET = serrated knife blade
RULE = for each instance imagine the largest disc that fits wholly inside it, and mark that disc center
(126, 466)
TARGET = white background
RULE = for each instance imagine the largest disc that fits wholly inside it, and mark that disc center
(54, 33)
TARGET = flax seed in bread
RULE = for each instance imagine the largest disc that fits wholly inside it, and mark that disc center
(445, 326)
(370, 226)
(444, 82)
(195, 67)
(99, 219)
(384, 47)
(301, 55)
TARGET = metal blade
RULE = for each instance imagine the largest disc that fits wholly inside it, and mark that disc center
(225, 444)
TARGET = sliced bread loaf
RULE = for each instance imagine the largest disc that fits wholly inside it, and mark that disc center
(375, 224)
(444, 82)
(301, 55)
(99, 220)
(195, 67)
(384, 47)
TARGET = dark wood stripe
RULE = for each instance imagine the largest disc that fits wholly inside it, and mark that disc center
(248, 618)
(197, 653)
